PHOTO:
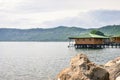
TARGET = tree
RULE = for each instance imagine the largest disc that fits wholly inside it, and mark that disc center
(97, 32)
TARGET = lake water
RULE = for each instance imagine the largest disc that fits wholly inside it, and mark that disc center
(43, 60)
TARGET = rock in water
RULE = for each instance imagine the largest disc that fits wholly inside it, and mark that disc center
(81, 68)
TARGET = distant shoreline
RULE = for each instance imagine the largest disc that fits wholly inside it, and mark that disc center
(58, 34)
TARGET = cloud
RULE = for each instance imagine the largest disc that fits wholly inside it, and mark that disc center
(92, 19)
(33, 6)
(58, 5)
(46, 13)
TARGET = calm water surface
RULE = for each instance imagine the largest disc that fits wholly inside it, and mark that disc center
(43, 60)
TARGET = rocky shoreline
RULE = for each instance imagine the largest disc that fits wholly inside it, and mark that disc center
(81, 68)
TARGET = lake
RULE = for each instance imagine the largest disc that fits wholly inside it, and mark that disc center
(43, 60)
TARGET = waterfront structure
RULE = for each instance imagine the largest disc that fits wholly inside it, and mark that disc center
(115, 39)
(89, 41)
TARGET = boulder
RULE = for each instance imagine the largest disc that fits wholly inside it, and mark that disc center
(113, 62)
(113, 67)
(81, 68)
(118, 78)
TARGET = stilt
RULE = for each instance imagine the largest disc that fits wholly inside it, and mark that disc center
(116, 45)
(112, 45)
(96, 46)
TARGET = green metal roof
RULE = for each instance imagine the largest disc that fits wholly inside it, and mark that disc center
(116, 36)
(88, 36)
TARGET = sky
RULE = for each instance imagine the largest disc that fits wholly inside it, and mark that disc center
(52, 13)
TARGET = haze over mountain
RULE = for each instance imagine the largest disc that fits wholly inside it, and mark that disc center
(60, 33)
(91, 19)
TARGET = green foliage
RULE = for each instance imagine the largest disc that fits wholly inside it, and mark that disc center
(110, 30)
(53, 34)
(97, 32)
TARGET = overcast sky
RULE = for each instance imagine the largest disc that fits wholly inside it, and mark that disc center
(52, 13)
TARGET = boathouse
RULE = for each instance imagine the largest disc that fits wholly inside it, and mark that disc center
(115, 39)
(89, 41)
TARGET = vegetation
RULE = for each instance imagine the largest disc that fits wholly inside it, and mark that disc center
(110, 30)
(97, 32)
(60, 33)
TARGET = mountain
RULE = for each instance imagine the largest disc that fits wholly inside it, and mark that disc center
(111, 29)
(60, 33)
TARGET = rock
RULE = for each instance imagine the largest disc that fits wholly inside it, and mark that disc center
(64, 74)
(113, 67)
(113, 62)
(118, 78)
(114, 71)
(81, 68)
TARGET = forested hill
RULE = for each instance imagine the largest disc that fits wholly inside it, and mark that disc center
(111, 30)
(60, 33)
